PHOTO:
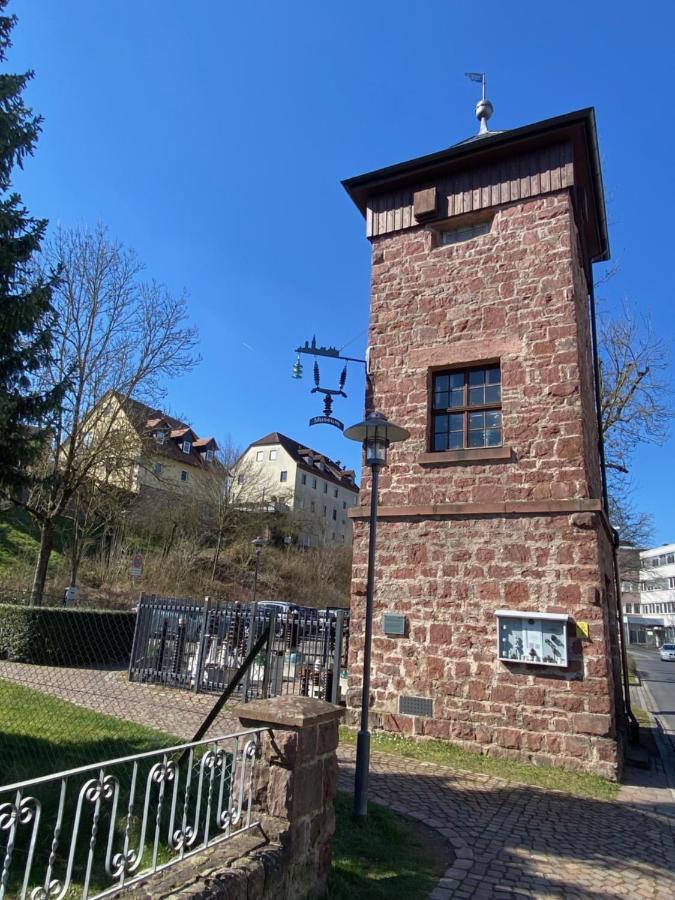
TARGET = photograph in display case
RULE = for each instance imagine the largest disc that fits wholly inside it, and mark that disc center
(535, 638)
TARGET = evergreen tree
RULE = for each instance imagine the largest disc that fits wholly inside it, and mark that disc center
(25, 298)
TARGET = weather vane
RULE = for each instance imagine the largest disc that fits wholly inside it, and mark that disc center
(328, 393)
(484, 108)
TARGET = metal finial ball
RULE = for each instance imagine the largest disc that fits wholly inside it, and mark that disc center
(484, 110)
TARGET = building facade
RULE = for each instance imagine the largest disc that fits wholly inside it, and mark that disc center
(496, 621)
(648, 594)
(319, 491)
(144, 451)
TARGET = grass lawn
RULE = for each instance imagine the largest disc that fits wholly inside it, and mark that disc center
(41, 734)
(448, 754)
(388, 857)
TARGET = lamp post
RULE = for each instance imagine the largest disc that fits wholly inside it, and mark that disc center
(258, 545)
(375, 433)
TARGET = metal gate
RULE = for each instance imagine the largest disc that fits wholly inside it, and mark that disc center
(200, 646)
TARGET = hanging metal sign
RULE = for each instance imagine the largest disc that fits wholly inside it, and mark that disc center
(327, 420)
(328, 393)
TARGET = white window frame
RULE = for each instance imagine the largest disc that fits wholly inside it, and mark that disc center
(259, 455)
(186, 446)
(273, 455)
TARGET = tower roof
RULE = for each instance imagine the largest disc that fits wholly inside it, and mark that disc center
(576, 128)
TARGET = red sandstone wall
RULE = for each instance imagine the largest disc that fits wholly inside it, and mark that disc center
(517, 294)
(448, 576)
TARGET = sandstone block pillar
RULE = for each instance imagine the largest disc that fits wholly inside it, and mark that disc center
(296, 782)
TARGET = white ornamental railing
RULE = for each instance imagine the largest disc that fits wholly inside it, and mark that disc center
(90, 831)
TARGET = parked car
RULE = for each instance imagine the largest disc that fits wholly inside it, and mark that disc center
(667, 652)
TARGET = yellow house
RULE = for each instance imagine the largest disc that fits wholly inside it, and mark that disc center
(146, 449)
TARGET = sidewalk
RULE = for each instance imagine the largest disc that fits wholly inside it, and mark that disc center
(518, 841)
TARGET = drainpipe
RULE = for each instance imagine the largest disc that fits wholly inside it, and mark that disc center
(633, 724)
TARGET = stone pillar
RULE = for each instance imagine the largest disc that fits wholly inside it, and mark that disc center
(296, 782)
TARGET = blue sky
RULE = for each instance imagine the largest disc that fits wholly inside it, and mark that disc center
(212, 137)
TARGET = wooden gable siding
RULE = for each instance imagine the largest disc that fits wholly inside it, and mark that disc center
(529, 175)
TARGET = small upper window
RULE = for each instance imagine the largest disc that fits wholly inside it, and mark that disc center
(210, 455)
(314, 483)
(283, 476)
(344, 504)
(260, 455)
(325, 487)
(183, 475)
(458, 235)
(335, 515)
(273, 454)
(241, 478)
(303, 479)
(186, 446)
(159, 437)
(335, 493)
(466, 409)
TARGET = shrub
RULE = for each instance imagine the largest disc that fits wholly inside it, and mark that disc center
(65, 637)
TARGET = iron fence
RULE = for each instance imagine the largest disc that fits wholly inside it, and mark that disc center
(94, 829)
(199, 646)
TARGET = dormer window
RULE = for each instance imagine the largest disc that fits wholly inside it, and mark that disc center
(210, 455)
(159, 437)
(186, 446)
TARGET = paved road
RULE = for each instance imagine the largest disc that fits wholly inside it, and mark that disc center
(660, 679)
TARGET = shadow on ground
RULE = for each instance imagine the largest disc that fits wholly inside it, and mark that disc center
(531, 842)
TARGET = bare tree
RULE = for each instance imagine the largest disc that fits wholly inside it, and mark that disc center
(636, 407)
(116, 336)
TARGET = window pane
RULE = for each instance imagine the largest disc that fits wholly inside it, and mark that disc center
(441, 400)
(455, 440)
(476, 421)
(476, 438)
(456, 398)
(456, 380)
(441, 424)
(476, 377)
(493, 393)
(476, 396)
(493, 420)
(494, 376)
(441, 383)
(455, 421)
(440, 442)
(493, 437)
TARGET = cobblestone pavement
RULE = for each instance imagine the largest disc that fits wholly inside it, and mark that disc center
(176, 711)
(517, 841)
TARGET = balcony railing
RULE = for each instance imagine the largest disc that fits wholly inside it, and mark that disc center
(89, 831)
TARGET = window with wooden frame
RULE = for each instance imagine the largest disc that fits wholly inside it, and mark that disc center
(466, 408)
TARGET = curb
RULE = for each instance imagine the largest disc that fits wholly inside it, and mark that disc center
(663, 738)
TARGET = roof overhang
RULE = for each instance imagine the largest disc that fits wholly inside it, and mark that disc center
(577, 127)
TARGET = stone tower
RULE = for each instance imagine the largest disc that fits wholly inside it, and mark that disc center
(495, 620)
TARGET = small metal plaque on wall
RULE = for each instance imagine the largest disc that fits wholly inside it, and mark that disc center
(392, 623)
(415, 706)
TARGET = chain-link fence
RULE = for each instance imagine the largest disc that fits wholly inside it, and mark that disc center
(81, 683)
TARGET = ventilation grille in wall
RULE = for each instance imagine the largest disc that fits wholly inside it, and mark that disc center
(415, 706)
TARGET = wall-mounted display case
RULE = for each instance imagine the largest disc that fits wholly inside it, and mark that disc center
(536, 638)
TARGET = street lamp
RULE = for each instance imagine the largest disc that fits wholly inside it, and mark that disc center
(258, 544)
(375, 433)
